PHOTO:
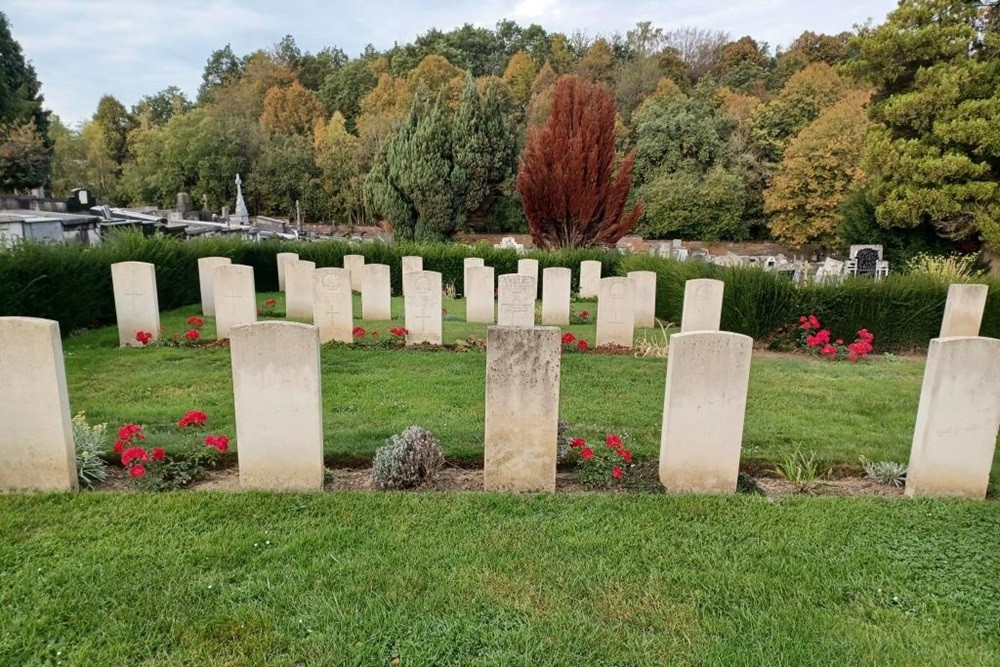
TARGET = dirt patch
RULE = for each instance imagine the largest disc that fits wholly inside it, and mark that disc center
(850, 486)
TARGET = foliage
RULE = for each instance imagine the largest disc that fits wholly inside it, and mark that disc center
(407, 460)
(602, 466)
(890, 473)
(571, 195)
(801, 470)
(687, 204)
(291, 109)
(89, 442)
(154, 469)
(21, 102)
(24, 157)
(947, 268)
(813, 336)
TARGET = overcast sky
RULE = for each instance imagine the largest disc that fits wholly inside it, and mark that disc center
(83, 49)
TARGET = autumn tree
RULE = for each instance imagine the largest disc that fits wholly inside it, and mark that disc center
(339, 158)
(24, 157)
(598, 63)
(291, 109)
(343, 89)
(519, 75)
(572, 196)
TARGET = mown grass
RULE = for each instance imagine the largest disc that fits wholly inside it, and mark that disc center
(355, 578)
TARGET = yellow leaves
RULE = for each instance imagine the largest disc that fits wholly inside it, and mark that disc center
(519, 75)
(291, 109)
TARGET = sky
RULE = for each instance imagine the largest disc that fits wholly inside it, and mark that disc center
(83, 49)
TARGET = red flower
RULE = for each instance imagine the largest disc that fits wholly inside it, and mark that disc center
(568, 338)
(159, 454)
(193, 417)
(358, 332)
(119, 445)
(270, 303)
(577, 442)
(128, 431)
(584, 314)
(219, 442)
(614, 440)
(803, 319)
(143, 337)
(398, 332)
(617, 472)
(137, 471)
(840, 341)
(626, 455)
(581, 345)
(134, 454)
(587, 453)
(814, 322)
(829, 351)
(195, 321)
(192, 335)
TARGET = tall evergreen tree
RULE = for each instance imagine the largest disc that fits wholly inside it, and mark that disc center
(23, 121)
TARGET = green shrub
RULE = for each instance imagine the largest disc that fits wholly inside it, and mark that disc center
(89, 443)
(407, 460)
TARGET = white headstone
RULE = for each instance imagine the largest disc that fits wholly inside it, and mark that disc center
(136, 305)
(283, 259)
(590, 278)
(467, 264)
(702, 305)
(522, 408)
(376, 292)
(556, 287)
(36, 439)
(963, 312)
(703, 409)
(278, 400)
(422, 309)
(957, 419)
(480, 298)
(355, 264)
(529, 267)
(333, 305)
(206, 266)
(411, 264)
(235, 298)
(644, 289)
(516, 296)
(299, 290)
(615, 312)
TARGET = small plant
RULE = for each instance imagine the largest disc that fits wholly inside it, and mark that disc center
(801, 470)
(89, 442)
(583, 317)
(375, 339)
(267, 309)
(448, 291)
(407, 460)
(746, 483)
(885, 472)
(571, 343)
(470, 344)
(814, 337)
(950, 267)
(653, 348)
(188, 339)
(602, 466)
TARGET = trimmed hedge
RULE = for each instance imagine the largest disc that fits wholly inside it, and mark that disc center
(72, 284)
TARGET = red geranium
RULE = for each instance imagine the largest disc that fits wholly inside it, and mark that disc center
(584, 315)
(587, 453)
(581, 345)
(159, 454)
(219, 442)
(577, 442)
(137, 471)
(129, 431)
(143, 337)
(358, 332)
(134, 454)
(626, 455)
(568, 338)
(270, 303)
(617, 472)
(192, 335)
(614, 440)
(193, 417)
(374, 334)
(195, 321)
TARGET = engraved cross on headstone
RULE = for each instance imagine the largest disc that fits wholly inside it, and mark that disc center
(133, 294)
(233, 296)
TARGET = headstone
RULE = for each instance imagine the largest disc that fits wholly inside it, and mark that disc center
(278, 400)
(615, 312)
(556, 282)
(136, 305)
(183, 202)
(299, 290)
(644, 289)
(467, 264)
(957, 419)
(235, 298)
(241, 214)
(333, 305)
(480, 299)
(703, 409)
(702, 309)
(522, 408)
(963, 312)
(206, 266)
(411, 264)
(376, 292)
(355, 264)
(529, 267)
(283, 260)
(36, 440)
(516, 296)
(422, 309)
(590, 278)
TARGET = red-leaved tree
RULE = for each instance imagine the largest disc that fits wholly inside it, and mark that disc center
(567, 182)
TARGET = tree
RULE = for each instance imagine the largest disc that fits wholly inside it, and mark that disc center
(934, 149)
(437, 75)
(339, 158)
(809, 48)
(157, 109)
(69, 158)
(598, 63)
(223, 68)
(291, 109)
(698, 48)
(679, 133)
(344, 88)
(519, 75)
(284, 172)
(820, 169)
(314, 69)
(24, 157)
(381, 111)
(567, 181)
(21, 103)
(687, 204)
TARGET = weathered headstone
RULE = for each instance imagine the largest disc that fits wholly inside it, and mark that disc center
(36, 440)
(468, 263)
(516, 296)
(278, 400)
(522, 408)
(235, 298)
(136, 305)
(702, 305)
(615, 312)
(376, 292)
(590, 278)
(299, 290)
(422, 309)
(411, 264)
(206, 266)
(183, 203)
(529, 267)
(333, 305)
(957, 419)
(556, 283)
(283, 259)
(644, 289)
(480, 297)
(703, 409)
(355, 264)
(963, 312)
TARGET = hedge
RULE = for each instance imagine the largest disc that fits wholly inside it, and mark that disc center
(72, 283)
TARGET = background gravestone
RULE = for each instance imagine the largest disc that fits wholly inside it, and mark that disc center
(422, 309)
(644, 290)
(411, 264)
(355, 264)
(333, 305)
(963, 311)
(556, 284)
(529, 267)
(137, 307)
(702, 309)
(299, 290)
(480, 300)
(516, 297)
(468, 263)
(283, 259)
(590, 278)
(206, 266)
(376, 292)
(615, 312)
(235, 298)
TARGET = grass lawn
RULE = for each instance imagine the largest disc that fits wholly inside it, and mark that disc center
(354, 578)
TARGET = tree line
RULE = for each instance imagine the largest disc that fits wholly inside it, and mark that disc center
(887, 134)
